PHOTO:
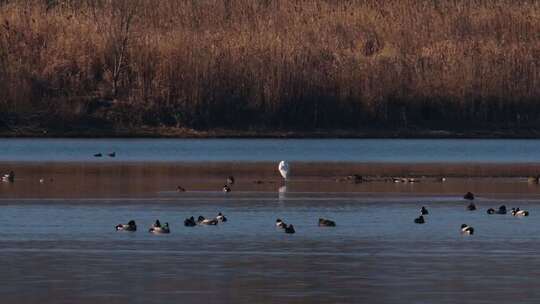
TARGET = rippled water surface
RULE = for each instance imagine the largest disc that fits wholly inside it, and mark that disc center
(196, 150)
(58, 243)
(66, 251)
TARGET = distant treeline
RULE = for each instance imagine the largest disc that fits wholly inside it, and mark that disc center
(270, 64)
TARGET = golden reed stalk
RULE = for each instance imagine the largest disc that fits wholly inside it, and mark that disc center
(272, 64)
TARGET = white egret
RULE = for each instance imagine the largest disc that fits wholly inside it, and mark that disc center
(284, 169)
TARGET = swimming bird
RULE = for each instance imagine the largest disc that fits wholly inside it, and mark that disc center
(501, 210)
(471, 207)
(466, 229)
(326, 223)
(9, 177)
(280, 224)
(226, 189)
(518, 212)
(284, 170)
(204, 221)
(468, 196)
(130, 226)
(419, 220)
(190, 222)
(160, 230)
(356, 178)
(98, 155)
(113, 154)
(290, 229)
(220, 217)
(230, 180)
(424, 211)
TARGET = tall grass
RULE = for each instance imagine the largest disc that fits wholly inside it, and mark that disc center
(271, 64)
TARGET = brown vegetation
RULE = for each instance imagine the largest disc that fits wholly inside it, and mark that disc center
(277, 64)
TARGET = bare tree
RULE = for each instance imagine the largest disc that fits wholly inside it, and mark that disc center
(119, 36)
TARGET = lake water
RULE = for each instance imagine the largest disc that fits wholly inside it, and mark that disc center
(253, 150)
(58, 243)
(66, 251)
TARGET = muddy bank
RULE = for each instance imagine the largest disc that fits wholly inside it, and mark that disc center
(103, 180)
(268, 170)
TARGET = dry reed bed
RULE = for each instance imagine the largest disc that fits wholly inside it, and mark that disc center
(271, 64)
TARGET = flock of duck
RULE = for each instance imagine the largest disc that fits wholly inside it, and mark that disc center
(283, 167)
(158, 228)
(466, 229)
(112, 154)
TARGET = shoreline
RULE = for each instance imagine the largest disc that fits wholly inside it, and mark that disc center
(170, 132)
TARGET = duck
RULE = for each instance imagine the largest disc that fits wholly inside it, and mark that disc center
(466, 229)
(326, 223)
(424, 211)
(230, 180)
(471, 207)
(280, 224)
(9, 177)
(469, 196)
(226, 189)
(112, 154)
(204, 221)
(290, 229)
(98, 155)
(419, 220)
(160, 230)
(190, 222)
(518, 212)
(220, 217)
(355, 178)
(130, 226)
(501, 210)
